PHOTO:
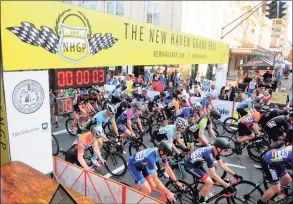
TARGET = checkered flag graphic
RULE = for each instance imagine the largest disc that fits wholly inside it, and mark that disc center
(99, 42)
(45, 37)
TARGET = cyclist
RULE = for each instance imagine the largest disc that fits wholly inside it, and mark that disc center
(245, 123)
(105, 115)
(274, 164)
(143, 96)
(197, 130)
(206, 102)
(248, 105)
(87, 105)
(194, 166)
(94, 99)
(124, 105)
(184, 112)
(79, 109)
(157, 102)
(94, 137)
(142, 167)
(125, 118)
(277, 128)
(270, 114)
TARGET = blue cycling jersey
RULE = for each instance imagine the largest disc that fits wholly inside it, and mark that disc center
(101, 117)
(247, 104)
(183, 112)
(204, 102)
(279, 157)
(202, 155)
(147, 157)
(171, 131)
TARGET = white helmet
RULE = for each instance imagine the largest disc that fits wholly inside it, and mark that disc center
(197, 106)
(111, 108)
(181, 122)
(97, 131)
(138, 105)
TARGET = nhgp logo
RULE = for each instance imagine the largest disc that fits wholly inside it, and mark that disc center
(71, 38)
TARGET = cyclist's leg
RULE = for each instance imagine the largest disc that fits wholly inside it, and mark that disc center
(200, 174)
(190, 140)
(273, 178)
(285, 178)
(139, 178)
(125, 131)
(75, 119)
(244, 133)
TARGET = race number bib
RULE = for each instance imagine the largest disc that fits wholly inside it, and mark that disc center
(271, 124)
(248, 119)
(283, 153)
(163, 130)
(197, 155)
(178, 112)
(140, 155)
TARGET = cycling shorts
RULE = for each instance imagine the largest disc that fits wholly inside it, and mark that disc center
(243, 130)
(122, 128)
(76, 110)
(273, 173)
(197, 171)
(139, 173)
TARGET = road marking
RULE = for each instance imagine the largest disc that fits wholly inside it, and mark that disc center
(59, 132)
(234, 165)
(108, 175)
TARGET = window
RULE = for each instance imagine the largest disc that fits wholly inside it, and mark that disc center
(115, 7)
(152, 9)
(89, 4)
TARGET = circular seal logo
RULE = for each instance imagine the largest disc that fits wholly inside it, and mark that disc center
(28, 96)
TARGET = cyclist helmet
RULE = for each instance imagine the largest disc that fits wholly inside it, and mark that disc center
(137, 105)
(209, 95)
(265, 109)
(162, 93)
(257, 107)
(215, 114)
(197, 106)
(166, 147)
(94, 93)
(111, 108)
(144, 90)
(97, 131)
(128, 99)
(221, 143)
(181, 122)
(85, 93)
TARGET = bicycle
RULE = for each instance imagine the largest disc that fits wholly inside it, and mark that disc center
(56, 145)
(107, 153)
(254, 191)
(132, 142)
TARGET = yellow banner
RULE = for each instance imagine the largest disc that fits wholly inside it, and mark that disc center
(279, 98)
(5, 154)
(50, 35)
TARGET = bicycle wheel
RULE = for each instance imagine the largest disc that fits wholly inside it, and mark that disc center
(187, 195)
(232, 145)
(55, 146)
(146, 125)
(231, 125)
(154, 128)
(68, 126)
(219, 126)
(229, 200)
(248, 192)
(136, 146)
(256, 148)
(115, 164)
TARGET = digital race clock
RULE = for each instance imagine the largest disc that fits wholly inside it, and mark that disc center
(73, 78)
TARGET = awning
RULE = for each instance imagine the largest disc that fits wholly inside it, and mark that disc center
(249, 51)
(258, 63)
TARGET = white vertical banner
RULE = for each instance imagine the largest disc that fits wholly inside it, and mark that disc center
(225, 108)
(28, 116)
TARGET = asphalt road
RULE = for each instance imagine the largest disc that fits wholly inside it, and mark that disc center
(242, 164)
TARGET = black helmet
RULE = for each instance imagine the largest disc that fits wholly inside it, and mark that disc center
(85, 93)
(274, 113)
(166, 147)
(128, 99)
(162, 93)
(257, 107)
(94, 93)
(265, 109)
(221, 143)
(215, 114)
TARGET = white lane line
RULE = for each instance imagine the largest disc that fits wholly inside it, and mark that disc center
(108, 175)
(234, 165)
(59, 132)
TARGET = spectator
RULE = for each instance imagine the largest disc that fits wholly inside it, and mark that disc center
(177, 79)
(129, 85)
(283, 90)
(267, 76)
(239, 96)
(157, 85)
(140, 79)
(153, 71)
(162, 79)
(195, 92)
(148, 77)
(170, 89)
(213, 92)
(251, 87)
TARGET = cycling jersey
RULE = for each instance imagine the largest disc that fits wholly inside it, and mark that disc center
(247, 104)
(121, 108)
(143, 163)
(84, 141)
(183, 112)
(101, 117)
(127, 115)
(249, 119)
(204, 102)
(79, 101)
(276, 127)
(140, 97)
(157, 100)
(193, 99)
(193, 130)
(194, 162)
(275, 162)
